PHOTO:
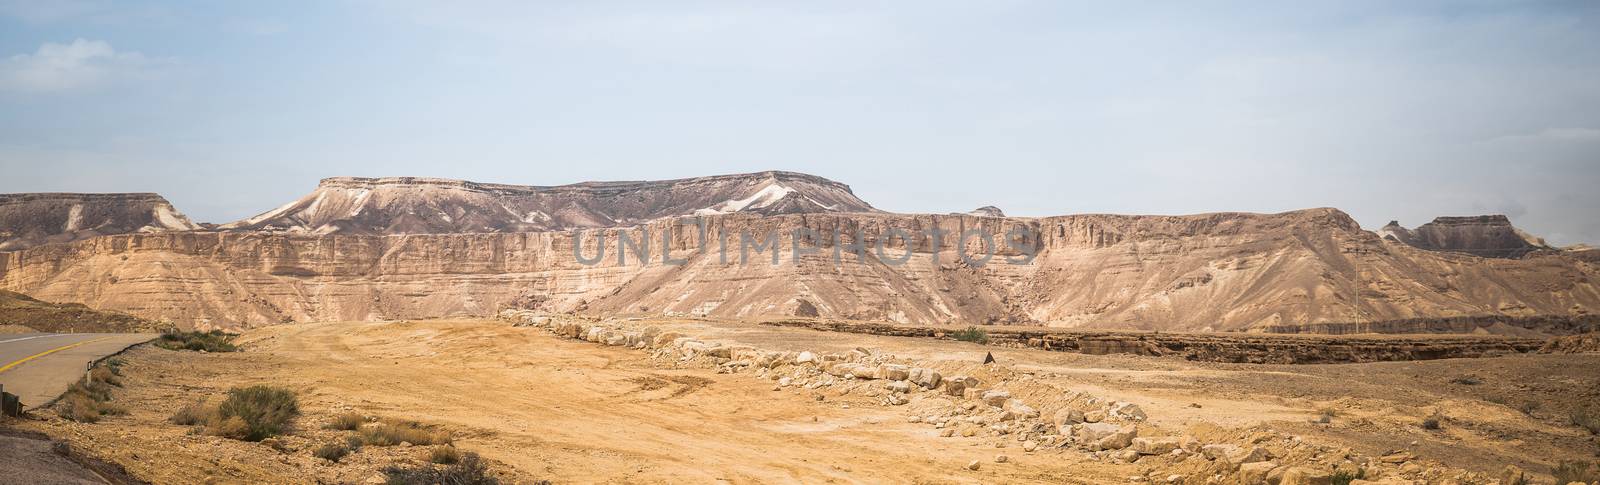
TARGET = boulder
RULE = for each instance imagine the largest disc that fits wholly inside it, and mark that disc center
(1068, 417)
(1128, 410)
(1156, 446)
(898, 386)
(1255, 473)
(1092, 432)
(894, 372)
(996, 397)
(1122, 438)
(957, 385)
(665, 338)
(927, 378)
(805, 357)
(1018, 409)
(1305, 476)
(1094, 416)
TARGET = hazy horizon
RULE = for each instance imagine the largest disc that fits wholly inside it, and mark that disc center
(1388, 112)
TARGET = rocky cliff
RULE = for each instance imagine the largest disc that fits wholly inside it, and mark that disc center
(412, 205)
(1490, 236)
(1227, 271)
(28, 220)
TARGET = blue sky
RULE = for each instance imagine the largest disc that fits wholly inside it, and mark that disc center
(1388, 110)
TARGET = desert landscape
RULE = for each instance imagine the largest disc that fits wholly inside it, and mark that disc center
(486, 242)
(398, 328)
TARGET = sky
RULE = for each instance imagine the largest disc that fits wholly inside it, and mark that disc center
(1387, 110)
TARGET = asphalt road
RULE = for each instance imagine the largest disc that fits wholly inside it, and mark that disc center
(39, 366)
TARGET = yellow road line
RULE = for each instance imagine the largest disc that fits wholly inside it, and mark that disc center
(48, 352)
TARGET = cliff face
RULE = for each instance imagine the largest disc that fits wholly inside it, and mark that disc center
(1211, 271)
(410, 205)
(1490, 236)
(28, 220)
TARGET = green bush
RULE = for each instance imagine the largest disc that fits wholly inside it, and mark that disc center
(264, 410)
(469, 471)
(971, 334)
(213, 341)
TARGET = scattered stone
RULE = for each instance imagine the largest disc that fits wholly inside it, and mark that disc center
(1094, 416)
(947, 432)
(1255, 473)
(1396, 458)
(973, 466)
(1030, 445)
(996, 397)
(1128, 410)
(1001, 458)
(1156, 446)
(1305, 476)
(1068, 417)
(805, 357)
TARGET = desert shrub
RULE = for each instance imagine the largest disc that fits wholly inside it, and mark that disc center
(444, 455)
(106, 375)
(213, 341)
(353, 442)
(1586, 420)
(88, 399)
(1345, 477)
(192, 414)
(331, 452)
(395, 431)
(470, 470)
(80, 408)
(1569, 471)
(1432, 422)
(1467, 380)
(971, 334)
(228, 427)
(1529, 407)
(265, 411)
(347, 421)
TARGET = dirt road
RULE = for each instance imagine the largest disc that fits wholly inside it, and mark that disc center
(39, 367)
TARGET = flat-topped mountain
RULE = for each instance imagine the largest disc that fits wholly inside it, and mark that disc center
(404, 248)
(28, 220)
(1489, 236)
(412, 205)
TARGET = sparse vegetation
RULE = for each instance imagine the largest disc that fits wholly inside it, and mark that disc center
(254, 413)
(1432, 422)
(1345, 477)
(213, 341)
(332, 452)
(1569, 471)
(971, 334)
(470, 470)
(1586, 420)
(444, 455)
(349, 421)
(1467, 380)
(89, 399)
(192, 414)
(1529, 407)
(392, 432)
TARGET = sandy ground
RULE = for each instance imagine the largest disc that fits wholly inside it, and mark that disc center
(542, 407)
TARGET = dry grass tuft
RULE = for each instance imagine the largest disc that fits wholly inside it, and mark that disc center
(390, 432)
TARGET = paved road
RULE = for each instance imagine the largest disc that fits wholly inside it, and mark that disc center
(39, 366)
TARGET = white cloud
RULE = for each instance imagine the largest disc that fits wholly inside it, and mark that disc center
(64, 67)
